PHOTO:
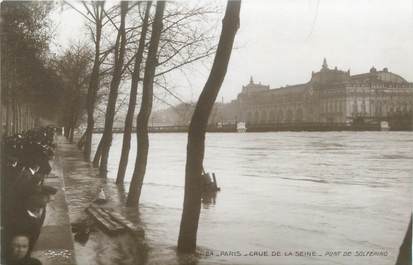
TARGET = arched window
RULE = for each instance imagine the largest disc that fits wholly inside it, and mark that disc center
(280, 116)
(405, 110)
(355, 108)
(249, 117)
(289, 116)
(257, 117)
(263, 117)
(372, 105)
(272, 116)
(299, 115)
(391, 109)
(385, 108)
(378, 109)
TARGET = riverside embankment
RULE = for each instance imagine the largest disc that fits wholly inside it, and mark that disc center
(81, 186)
(55, 243)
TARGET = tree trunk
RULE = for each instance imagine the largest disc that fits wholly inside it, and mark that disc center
(98, 154)
(69, 113)
(67, 130)
(405, 253)
(71, 134)
(81, 142)
(8, 120)
(18, 117)
(113, 94)
(93, 86)
(14, 112)
(145, 110)
(20, 107)
(23, 117)
(72, 128)
(28, 117)
(74, 113)
(196, 134)
(123, 163)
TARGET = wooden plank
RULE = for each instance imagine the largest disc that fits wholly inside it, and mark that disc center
(215, 181)
(100, 219)
(108, 218)
(108, 226)
(116, 224)
(105, 220)
(126, 223)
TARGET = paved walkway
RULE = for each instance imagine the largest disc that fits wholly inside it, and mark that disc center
(82, 184)
(55, 244)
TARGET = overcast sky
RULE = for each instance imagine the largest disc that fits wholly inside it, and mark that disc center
(281, 42)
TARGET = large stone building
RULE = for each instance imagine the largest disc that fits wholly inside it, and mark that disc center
(331, 96)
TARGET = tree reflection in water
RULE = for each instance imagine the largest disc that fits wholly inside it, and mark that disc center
(208, 199)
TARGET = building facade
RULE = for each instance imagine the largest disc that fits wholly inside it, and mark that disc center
(331, 96)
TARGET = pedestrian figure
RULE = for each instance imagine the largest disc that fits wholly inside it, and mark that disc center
(29, 219)
(19, 251)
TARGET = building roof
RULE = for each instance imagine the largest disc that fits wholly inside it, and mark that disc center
(384, 76)
(290, 89)
(327, 76)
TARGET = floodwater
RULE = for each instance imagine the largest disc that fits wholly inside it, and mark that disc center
(293, 196)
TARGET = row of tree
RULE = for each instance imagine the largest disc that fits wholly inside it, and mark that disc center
(133, 43)
(30, 86)
(145, 47)
(129, 42)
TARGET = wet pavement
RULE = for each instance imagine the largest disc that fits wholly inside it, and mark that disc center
(82, 185)
(79, 184)
(55, 244)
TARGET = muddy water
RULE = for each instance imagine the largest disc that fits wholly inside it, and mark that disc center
(285, 193)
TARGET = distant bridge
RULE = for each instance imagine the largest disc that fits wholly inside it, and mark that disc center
(356, 125)
(175, 129)
(172, 128)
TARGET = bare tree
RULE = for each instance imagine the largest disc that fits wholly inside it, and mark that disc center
(98, 14)
(197, 129)
(114, 86)
(27, 80)
(96, 17)
(132, 99)
(74, 70)
(180, 45)
(145, 110)
(103, 97)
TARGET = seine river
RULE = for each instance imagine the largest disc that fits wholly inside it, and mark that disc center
(286, 194)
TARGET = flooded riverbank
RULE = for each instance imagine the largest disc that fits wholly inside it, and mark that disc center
(82, 185)
(288, 192)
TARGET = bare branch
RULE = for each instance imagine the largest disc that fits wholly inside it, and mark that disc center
(88, 10)
(209, 53)
(111, 21)
(80, 12)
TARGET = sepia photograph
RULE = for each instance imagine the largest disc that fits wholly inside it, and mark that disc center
(206, 132)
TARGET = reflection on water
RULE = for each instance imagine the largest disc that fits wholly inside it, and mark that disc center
(209, 199)
(287, 191)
